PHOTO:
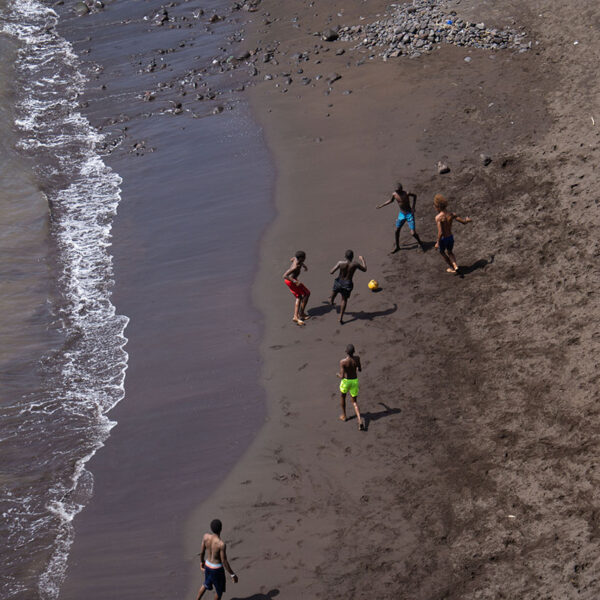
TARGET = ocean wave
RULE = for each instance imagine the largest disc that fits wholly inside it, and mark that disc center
(59, 431)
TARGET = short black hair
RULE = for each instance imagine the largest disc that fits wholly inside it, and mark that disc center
(349, 254)
(300, 255)
(399, 187)
(216, 526)
(350, 349)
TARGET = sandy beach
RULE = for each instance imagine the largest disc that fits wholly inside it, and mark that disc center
(475, 477)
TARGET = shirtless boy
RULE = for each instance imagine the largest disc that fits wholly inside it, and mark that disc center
(213, 559)
(407, 213)
(343, 283)
(349, 376)
(300, 291)
(445, 239)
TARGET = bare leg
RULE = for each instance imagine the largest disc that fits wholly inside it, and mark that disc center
(332, 297)
(297, 318)
(303, 314)
(201, 592)
(343, 310)
(416, 236)
(448, 261)
(397, 238)
(361, 425)
(343, 407)
(453, 260)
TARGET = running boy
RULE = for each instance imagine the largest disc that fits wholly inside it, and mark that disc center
(343, 284)
(213, 561)
(349, 376)
(300, 291)
(445, 239)
(407, 213)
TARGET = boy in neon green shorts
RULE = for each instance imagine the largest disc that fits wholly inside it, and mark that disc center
(349, 368)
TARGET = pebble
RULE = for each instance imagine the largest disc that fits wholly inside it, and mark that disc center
(443, 168)
(419, 26)
(468, 59)
(485, 159)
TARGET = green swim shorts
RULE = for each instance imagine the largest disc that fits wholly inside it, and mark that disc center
(349, 385)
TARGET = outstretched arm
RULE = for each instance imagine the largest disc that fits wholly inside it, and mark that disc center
(386, 203)
(337, 266)
(463, 220)
(363, 266)
(227, 565)
(414, 200)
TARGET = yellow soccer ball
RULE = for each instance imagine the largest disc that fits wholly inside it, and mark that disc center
(373, 285)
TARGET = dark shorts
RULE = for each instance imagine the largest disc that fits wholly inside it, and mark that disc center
(216, 578)
(343, 287)
(446, 244)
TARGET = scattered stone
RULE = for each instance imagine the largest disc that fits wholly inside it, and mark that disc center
(442, 168)
(468, 59)
(217, 110)
(485, 159)
(81, 9)
(417, 27)
(215, 18)
(333, 77)
(149, 96)
(339, 51)
(160, 17)
(329, 35)
(347, 92)
(305, 80)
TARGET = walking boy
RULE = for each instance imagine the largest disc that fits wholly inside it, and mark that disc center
(349, 376)
(300, 291)
(407, 213)
(343, 283)
(213, 560)
(445, 239)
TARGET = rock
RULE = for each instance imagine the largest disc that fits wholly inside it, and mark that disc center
(485, 159)
(215, 18)
(329, 35)
(243, 55)
(480, 26)
(468, 59)
(442, 168)
(217, 110)
(162, 16)
(333, 77)
(340, 51)
(81, 9)
(305, 80)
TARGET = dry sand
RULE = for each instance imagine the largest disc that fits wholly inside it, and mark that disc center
(476, 477)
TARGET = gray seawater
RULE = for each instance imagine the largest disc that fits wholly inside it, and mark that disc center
(62, 357)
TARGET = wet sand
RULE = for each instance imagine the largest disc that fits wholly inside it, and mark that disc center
(476, 475)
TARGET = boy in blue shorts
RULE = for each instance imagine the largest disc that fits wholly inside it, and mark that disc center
(445, 239)
(406, 214)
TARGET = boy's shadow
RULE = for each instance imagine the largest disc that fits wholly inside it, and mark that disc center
(319, 311)
(267, 596)
(369, 316)
(479, 264)
(386, 412)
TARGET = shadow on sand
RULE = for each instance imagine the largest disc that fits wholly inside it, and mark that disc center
(267, 596)
(479, 264)
(368, 316)
(375, 416)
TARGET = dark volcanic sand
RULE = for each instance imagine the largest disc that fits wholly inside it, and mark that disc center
(476, 477)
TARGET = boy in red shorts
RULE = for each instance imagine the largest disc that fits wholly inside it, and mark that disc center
(300, 291)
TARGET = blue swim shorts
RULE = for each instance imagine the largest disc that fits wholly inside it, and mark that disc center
(408, 217)
(446, 244)
(215, 577)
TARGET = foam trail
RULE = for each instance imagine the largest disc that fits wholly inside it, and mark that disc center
(85, 378)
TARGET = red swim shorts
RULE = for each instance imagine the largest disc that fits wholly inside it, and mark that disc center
(298, 289)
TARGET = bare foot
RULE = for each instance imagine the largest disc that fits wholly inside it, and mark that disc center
(453, 271)
(396, 249)
(298, 321)
(305, 317)
(342, 417)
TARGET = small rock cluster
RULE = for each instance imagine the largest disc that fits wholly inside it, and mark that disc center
(417, 27)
